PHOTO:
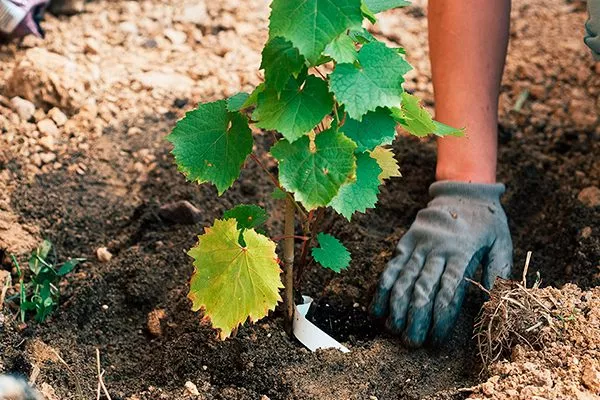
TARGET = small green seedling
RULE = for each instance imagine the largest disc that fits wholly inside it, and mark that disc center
(332, 131)
(38, 284)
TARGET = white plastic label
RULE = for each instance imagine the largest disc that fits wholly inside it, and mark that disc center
(10, 16)
(310, 335)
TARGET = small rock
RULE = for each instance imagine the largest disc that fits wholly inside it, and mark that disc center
(192, 388)
(103, 254)
(590, 196)
(58, 116)
(23, 107)
(47, 158)
(104, 307)
(128, 27)
(171, 82)
(180, 212)
(586, 232)
(591, 377)
(47, 142)
(153, 324)
(176, 37)
(91, 47)
(44, 77)
(195, 14)
(47, 127)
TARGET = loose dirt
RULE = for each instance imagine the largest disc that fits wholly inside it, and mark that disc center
(99, 179)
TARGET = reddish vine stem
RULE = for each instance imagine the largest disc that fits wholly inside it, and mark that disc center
(320, 73)
(278, 238)
(313, 230)
(288, 265)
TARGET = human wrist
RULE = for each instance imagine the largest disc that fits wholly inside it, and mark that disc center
(468, 175)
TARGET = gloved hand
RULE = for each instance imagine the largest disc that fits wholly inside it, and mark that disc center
(21, 17)
(592, 27)
(422, 289)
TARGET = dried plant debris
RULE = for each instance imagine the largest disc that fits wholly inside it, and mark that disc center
(540, 343)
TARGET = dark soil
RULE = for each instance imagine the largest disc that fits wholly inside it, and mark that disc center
(150, 270)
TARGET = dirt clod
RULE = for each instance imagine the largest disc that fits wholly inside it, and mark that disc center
(103, 254)
(155, 318)
(180, 212)
(590, 196)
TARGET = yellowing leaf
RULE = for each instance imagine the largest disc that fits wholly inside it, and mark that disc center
(232, 283)
(387, 163)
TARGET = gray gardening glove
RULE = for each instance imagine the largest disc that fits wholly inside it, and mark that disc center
(592, 27)
(422, 289)
(21, 17)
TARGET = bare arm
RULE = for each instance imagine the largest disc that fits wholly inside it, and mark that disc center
(468, 41)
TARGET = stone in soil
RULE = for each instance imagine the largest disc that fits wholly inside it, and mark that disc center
(590, 196)
(23, 107)
(180, 212)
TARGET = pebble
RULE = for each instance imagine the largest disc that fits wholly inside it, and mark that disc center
(23, 107)
(586, 232)
(195, 14)
(192, 388)
(176, 37)
(171, 82)
(47, 158)
(590, 196)
(47, 127)
(58, 116)
(128, 27)
(47, 142)
(104, 307)
(103, 254)
(180, 212)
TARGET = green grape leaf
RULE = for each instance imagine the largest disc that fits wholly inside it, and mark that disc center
(253, 98)
(414, 118)
(386, 161)
(342, 49)
(247, 215)
(367, 13)
(211, 144)
(296, 110)
(237, 101)
(331, 254)
(447, 130)
(377, 6)
(315, 171)
(232, 283)
(361, 193)
(376, 82)
(278, 194)
(376, 128)
(361, 36)
(280, 59)
(312, 24)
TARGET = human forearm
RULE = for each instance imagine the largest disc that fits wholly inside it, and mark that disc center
(468, 40)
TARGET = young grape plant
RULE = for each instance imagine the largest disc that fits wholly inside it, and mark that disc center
(332, 95)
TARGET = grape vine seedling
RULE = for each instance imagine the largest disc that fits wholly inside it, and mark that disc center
(38, 284)
(333, 97)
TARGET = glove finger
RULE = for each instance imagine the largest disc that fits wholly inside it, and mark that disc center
(381, 300)
(421, 305)
(498, 263)
(402, 291)
(451, 295)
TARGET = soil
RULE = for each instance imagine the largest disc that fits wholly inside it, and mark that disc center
(103, 180)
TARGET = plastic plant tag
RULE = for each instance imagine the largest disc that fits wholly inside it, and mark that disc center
(309, 334)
